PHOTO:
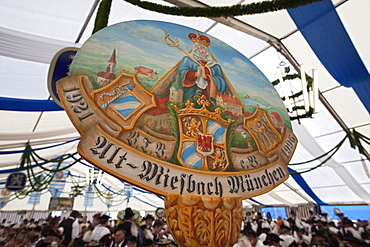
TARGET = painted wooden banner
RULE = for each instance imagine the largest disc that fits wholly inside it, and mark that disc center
(181, 114)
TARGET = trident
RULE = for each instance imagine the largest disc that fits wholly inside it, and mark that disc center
(175, 43)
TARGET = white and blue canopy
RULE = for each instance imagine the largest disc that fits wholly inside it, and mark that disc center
(330, 36)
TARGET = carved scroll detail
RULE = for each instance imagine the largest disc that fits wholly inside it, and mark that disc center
(197, 221)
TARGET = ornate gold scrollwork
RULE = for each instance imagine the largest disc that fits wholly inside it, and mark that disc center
(203, 221)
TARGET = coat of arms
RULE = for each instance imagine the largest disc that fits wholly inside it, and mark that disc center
(124, 100)
(263, 131)
(202, 137)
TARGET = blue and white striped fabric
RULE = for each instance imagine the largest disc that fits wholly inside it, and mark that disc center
(34, 197)
(217, 130)
(89, 195)
(322, 27)
(190, 157)
(56, 186)
(128, 190)
(126, 105)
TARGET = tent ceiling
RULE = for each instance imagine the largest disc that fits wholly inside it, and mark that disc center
(32, 31)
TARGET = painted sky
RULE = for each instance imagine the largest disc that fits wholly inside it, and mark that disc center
(141, 43)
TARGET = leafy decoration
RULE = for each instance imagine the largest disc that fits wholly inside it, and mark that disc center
(355, 139)
(102, 16)
(101, 20)
(223, 11)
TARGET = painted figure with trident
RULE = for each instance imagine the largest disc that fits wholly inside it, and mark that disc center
(200, 74)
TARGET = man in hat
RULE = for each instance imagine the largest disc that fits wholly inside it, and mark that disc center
(149, 219)
(146, 228)
(49, 238)
(348, 229)
(128, 225)
(88, 235)
(301, 239)
(264, 232)
(325, 217)
(254, 240)
(293, 219)
(286, 236)
(101, 232)
(270, 223)
(71, 227)
(273, 240)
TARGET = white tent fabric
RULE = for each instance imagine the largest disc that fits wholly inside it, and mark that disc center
(33, 31)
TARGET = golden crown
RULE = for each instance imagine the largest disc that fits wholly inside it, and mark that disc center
(203, 111)
(197, 38)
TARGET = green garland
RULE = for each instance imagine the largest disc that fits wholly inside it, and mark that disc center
(224, 11)
(102, 16)
(40, 182)
(101, 20)
(334, 150)
(306, 115)
(309, 80)
(104, 195)
(355, 140)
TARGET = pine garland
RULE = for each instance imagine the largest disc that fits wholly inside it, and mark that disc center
(334, 150)
(309, 79)
(101, 20)
(39, 182)
(355, 138)
(224, 11)
(306, 115)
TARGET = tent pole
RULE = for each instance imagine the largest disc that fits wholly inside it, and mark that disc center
(92, 10)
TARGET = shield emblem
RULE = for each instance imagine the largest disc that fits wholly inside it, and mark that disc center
(124, 100)
(205, 144)
(202, 140)
(263, 131)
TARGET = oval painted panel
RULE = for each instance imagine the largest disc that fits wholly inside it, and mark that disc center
(194, 115)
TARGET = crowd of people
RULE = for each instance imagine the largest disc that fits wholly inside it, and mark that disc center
(77, 231)
(256, 231)
(317, 231)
